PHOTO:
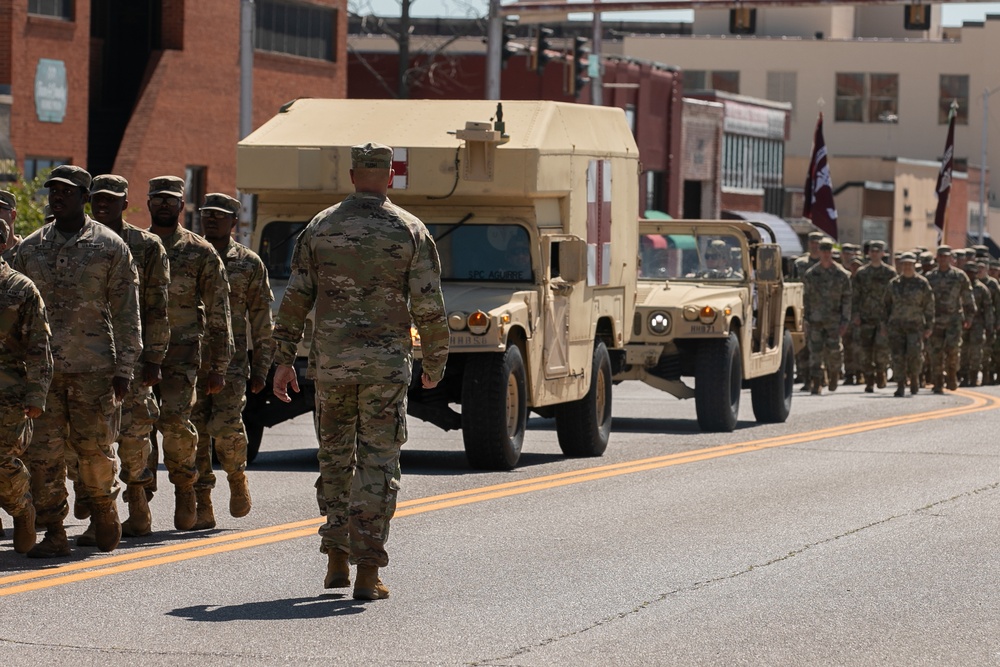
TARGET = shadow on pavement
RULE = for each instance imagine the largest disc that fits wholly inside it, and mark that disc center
(324, 606)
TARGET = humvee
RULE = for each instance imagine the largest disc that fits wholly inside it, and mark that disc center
(712, 305)
(533, 212)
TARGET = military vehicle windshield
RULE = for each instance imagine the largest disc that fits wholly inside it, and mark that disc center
(691, 257)
(276, 245)
(483, 253)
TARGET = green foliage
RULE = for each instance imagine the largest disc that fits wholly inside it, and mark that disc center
(30, 203)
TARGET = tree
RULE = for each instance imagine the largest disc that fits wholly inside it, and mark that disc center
(30, 203)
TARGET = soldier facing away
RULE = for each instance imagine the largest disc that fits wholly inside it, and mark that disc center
(25, 374)
(219, 417)
(869, 286)
(198, 308)
(827, 310)
(370, 269)
(909, 309)
(88, 280)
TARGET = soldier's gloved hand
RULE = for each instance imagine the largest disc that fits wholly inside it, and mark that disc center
(32, 411)
(120, 386)
(257, 384)
(216, 381)
(151, 375)
(283, 376)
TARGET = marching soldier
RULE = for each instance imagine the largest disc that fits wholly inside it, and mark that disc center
(802, 264)
(868, 288)
(953, 310)
(990, 361)
(909, 310)
(827, 311)
(974, 337)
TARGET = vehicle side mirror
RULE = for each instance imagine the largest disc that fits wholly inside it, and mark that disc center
(572, 257)
(769, 263)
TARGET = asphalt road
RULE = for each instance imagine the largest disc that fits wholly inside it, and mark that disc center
(860, 532)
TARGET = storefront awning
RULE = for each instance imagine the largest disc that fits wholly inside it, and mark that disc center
(785, 236)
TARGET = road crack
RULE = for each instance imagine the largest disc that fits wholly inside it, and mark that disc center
(504, 661)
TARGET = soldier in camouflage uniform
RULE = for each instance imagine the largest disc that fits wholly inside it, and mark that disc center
(88, 280)
(994, 273)
(108, 200)
(219, 417)
(827, 310)
(993, 285)
(8, 214)
(852, 337)
(25, 374)
(370, 268)
(909, 309)
(974, 337)
(198, 308)
(953, 311)
(868, 288)
(799, 267)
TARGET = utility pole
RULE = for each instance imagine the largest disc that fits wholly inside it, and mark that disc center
(246, 107)
(594, 63)
(494, 39)
(982, 165)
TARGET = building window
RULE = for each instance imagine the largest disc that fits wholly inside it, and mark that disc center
(726, 81)
(954, 88)
(195, 180)
(297, 29)
(781, 88)
(37, 166)
(59, 9)
(867, 98)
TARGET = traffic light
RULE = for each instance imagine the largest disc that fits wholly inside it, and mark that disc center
(917, 17)
(506, 48)
(578, 65)
(542, 45)
(742, 21)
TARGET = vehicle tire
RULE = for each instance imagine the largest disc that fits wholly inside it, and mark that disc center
(494, 409)
(718, 383)
(772, 395)
(584, 426)
(255, 434)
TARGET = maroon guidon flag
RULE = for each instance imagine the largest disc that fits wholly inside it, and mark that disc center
(818, 204)
(943, 187)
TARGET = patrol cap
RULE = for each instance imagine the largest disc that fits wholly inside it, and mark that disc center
(7, 200)
(371, 156)
(69, 174)
(907, 257)
(850, 247)
(218, 201)
(995, 263)
(944, 250)
(816, 236)
(877, 245)
(166, 185)
(109, 184)
(826, 244)
(981, 250)
(971, 266)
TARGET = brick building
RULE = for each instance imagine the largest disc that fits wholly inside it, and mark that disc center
(149, 87)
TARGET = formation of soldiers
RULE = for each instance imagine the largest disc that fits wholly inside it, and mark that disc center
(109, 332)
(932, 321)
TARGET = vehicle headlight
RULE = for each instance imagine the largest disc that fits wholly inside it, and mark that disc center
(456, 321)
(707, 315)
(659, 323)
(478, 322)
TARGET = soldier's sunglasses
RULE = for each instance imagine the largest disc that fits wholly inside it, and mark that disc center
(160, 200)
(218, 215)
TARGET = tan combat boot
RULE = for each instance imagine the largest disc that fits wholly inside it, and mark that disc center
(88, 538)
(881, 379)
(900, 389)
(834, 379)
(817, 387)
(915, 385)
(24, 530)
(108, 529)
(140, 521)
(368, 586)
(185, 512)
(338, 570)
(54, 544)
(81, 509)
(952, 380)
(239, 494)
(205, 513)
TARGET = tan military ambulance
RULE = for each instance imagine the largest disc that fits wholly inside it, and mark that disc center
(533, 206)
(712, 306)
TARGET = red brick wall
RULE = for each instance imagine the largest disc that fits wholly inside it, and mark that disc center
(32, 38)
(6, 34)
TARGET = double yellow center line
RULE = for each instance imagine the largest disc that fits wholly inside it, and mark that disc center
(199, 548)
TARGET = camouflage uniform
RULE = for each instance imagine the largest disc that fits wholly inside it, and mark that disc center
(827, 307)
(974, 338)
(198, 310)
(220, 416)
(909, 308)
(990, 359)
(800, 266)
(25, 374)
(868, 288)
(90, 287)
(370, 268)
(953, 303)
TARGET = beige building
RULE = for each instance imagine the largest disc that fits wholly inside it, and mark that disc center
(884, 92)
